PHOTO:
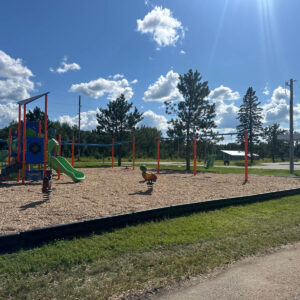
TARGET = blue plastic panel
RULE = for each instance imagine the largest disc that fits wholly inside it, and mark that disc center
(34, 150)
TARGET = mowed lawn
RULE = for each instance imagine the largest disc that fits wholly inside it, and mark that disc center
(148, 256)
(219, 170)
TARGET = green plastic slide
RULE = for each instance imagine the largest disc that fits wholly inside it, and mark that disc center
(61, 163)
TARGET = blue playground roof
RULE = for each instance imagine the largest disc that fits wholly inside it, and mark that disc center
(26, 101)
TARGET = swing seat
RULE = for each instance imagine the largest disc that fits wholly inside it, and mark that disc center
(210, 162)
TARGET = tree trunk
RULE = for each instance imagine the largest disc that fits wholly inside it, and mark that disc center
(119, 155)
(187, 154)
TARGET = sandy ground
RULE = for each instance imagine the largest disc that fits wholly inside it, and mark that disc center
(114, 191)
(273, 276)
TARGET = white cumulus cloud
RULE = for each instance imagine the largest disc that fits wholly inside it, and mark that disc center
(152, 119)
(266, 90)
(223, 93)
(182, 52)
(226, 115)
(277, 108)
(162, 26)
(8, 113)
(97, 88)
(15, 83)
(164, 89)
(118, 76)
(88, 120)
(65, 67)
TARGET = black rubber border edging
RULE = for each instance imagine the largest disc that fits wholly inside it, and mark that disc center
(35, 237)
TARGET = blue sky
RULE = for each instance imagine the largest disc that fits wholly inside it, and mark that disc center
(98, 49)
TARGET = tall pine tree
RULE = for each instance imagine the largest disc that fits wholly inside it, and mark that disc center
(194, 114)
(250, 118)
(270, 135)
(117, 121)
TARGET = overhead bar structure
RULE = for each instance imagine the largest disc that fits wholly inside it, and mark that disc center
(24, 103)
(194, 138)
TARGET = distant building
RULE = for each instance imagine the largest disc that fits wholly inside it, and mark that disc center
(229, 155)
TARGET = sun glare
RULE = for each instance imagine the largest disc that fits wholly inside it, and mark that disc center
(269, 35)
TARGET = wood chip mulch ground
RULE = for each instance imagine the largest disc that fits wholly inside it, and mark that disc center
(114, 191)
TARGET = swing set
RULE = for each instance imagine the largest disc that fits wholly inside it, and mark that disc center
(211, 158)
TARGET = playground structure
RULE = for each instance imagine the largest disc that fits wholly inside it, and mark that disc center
(32, 156)
(208, 163)
(27, 149)
(109, 191)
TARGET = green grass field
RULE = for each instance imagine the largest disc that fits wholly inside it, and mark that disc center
(148, 256)
(219, 170)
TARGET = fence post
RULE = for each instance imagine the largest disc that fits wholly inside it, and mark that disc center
(112, 152)
(246, 156)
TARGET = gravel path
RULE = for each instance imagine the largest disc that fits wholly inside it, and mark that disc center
(274, 276)
(109, 191)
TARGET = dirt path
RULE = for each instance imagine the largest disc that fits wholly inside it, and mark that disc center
(274, 276)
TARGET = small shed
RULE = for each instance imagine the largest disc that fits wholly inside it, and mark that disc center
(229, 155)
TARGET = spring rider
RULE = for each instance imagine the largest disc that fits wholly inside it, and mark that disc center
(149, 177)
(46, 188)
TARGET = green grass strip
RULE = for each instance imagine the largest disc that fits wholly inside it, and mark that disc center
(218, 170)
(149, 255)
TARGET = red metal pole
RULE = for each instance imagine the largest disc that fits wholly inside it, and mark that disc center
(46, 135)
(9, 146)
(24, 144)
(133, 151)
(40, 134)
(112, 152)
(59, 153)
(246, 156)
(158, 153)
(73, 147)
(195, 156)
(19, 141)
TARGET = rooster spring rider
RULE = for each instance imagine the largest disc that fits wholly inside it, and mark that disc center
(149, 177)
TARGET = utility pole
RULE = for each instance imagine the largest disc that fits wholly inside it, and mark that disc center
(291, 85)
(79, 109)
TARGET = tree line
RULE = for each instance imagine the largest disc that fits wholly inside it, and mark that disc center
(192, 116)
